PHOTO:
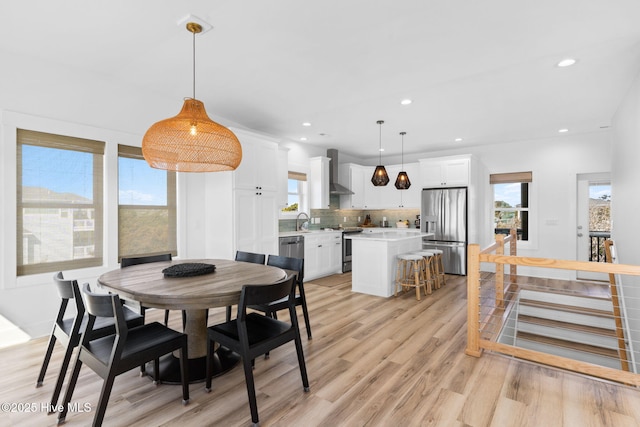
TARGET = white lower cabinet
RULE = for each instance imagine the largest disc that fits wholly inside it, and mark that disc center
(322, 254)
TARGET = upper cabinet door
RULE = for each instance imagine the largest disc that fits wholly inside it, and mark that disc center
(319, 183)
(257, 171)
(352, 176)
(445, 172)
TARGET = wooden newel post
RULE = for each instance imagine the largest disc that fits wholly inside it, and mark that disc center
(500, 272)
(473, 301)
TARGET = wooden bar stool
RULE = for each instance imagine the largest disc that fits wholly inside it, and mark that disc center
(428, 269)
(438, 267)
(409, 274)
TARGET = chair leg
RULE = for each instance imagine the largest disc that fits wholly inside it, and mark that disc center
(416, 278)
(61, 375)
(251, 390)
(184, 372)
(228, 313)
(305, 313)
(70, 388)
(47, 358)
(166, 318)
(301, 363)
(209, 364)
(104, 399)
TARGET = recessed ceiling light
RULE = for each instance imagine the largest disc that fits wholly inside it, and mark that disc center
(307, 124)
(458, 139)
(563, 130)
(381, 149)
(406, 102)
(303, 139)
(567, 62)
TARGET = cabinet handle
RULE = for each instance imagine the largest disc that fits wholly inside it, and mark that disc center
(319, 246)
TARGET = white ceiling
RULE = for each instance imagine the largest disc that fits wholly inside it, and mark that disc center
(483, 71)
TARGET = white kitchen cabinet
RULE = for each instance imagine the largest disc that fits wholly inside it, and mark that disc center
(368, 196)
(322, 254)
(392, 198)
(242, 205)
(372, 194)
(445, 172)
(353, 176)
(256, 227)
(319, 182)
(259, 157)
(283, 177)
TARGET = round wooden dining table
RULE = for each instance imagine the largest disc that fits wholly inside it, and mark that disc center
(147, 284)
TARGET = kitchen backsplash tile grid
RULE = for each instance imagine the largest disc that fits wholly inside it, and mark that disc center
(335, 217)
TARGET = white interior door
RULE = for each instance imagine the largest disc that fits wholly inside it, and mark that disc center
(593, 208)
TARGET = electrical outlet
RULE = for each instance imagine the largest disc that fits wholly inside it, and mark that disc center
(344, 219)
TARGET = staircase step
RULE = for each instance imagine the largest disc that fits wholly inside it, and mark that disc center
(567, 313)
(567, 325)
(600, 351)
(604, 311)
(568, 331)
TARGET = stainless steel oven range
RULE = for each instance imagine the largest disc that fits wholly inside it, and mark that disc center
(346, 248)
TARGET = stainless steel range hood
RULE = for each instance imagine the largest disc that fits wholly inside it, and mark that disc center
(334, 187)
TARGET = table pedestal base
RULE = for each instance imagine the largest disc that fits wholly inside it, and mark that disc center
(223, 361)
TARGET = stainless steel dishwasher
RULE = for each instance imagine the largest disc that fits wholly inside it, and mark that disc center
(292, 246)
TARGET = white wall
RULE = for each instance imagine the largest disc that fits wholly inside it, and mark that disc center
(625, 175)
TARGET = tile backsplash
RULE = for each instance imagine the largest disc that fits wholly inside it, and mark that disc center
(335, 217)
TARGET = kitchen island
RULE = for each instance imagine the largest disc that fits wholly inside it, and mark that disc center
(374, 258)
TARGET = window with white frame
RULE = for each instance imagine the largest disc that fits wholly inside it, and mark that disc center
(59, 202)
(146, 206)
(296, 194)
(511, 203)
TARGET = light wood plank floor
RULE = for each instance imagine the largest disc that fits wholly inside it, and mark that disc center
(372, 362)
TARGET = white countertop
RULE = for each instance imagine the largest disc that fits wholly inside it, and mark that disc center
(306, 233)
(390, 236)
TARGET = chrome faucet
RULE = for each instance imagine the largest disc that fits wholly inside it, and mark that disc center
(298, 226)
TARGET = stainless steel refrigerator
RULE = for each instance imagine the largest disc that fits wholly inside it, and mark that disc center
(444, 213)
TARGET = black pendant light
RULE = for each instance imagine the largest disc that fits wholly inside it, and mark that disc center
(380, 177)
(402, 181)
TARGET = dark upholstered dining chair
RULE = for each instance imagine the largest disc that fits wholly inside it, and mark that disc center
(271, 309)
(251, 257)
(126, 262)
(253, 334)
(126, 349)
(69, 331)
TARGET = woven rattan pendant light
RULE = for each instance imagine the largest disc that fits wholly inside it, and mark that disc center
(191, 141)
(402, 181)
(380, 177)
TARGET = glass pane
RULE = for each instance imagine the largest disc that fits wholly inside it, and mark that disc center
(147, 231)
(54, 235)
(599, 207)
(139, 184)
(56, 176)
(507, 195)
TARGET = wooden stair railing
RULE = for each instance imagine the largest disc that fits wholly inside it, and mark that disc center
(476, 343)
(622, 348)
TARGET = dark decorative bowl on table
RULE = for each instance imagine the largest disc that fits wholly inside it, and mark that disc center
(189, 269)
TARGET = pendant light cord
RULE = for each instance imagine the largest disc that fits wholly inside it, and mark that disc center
(402, 134)
(194, 65)
(380, 146)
